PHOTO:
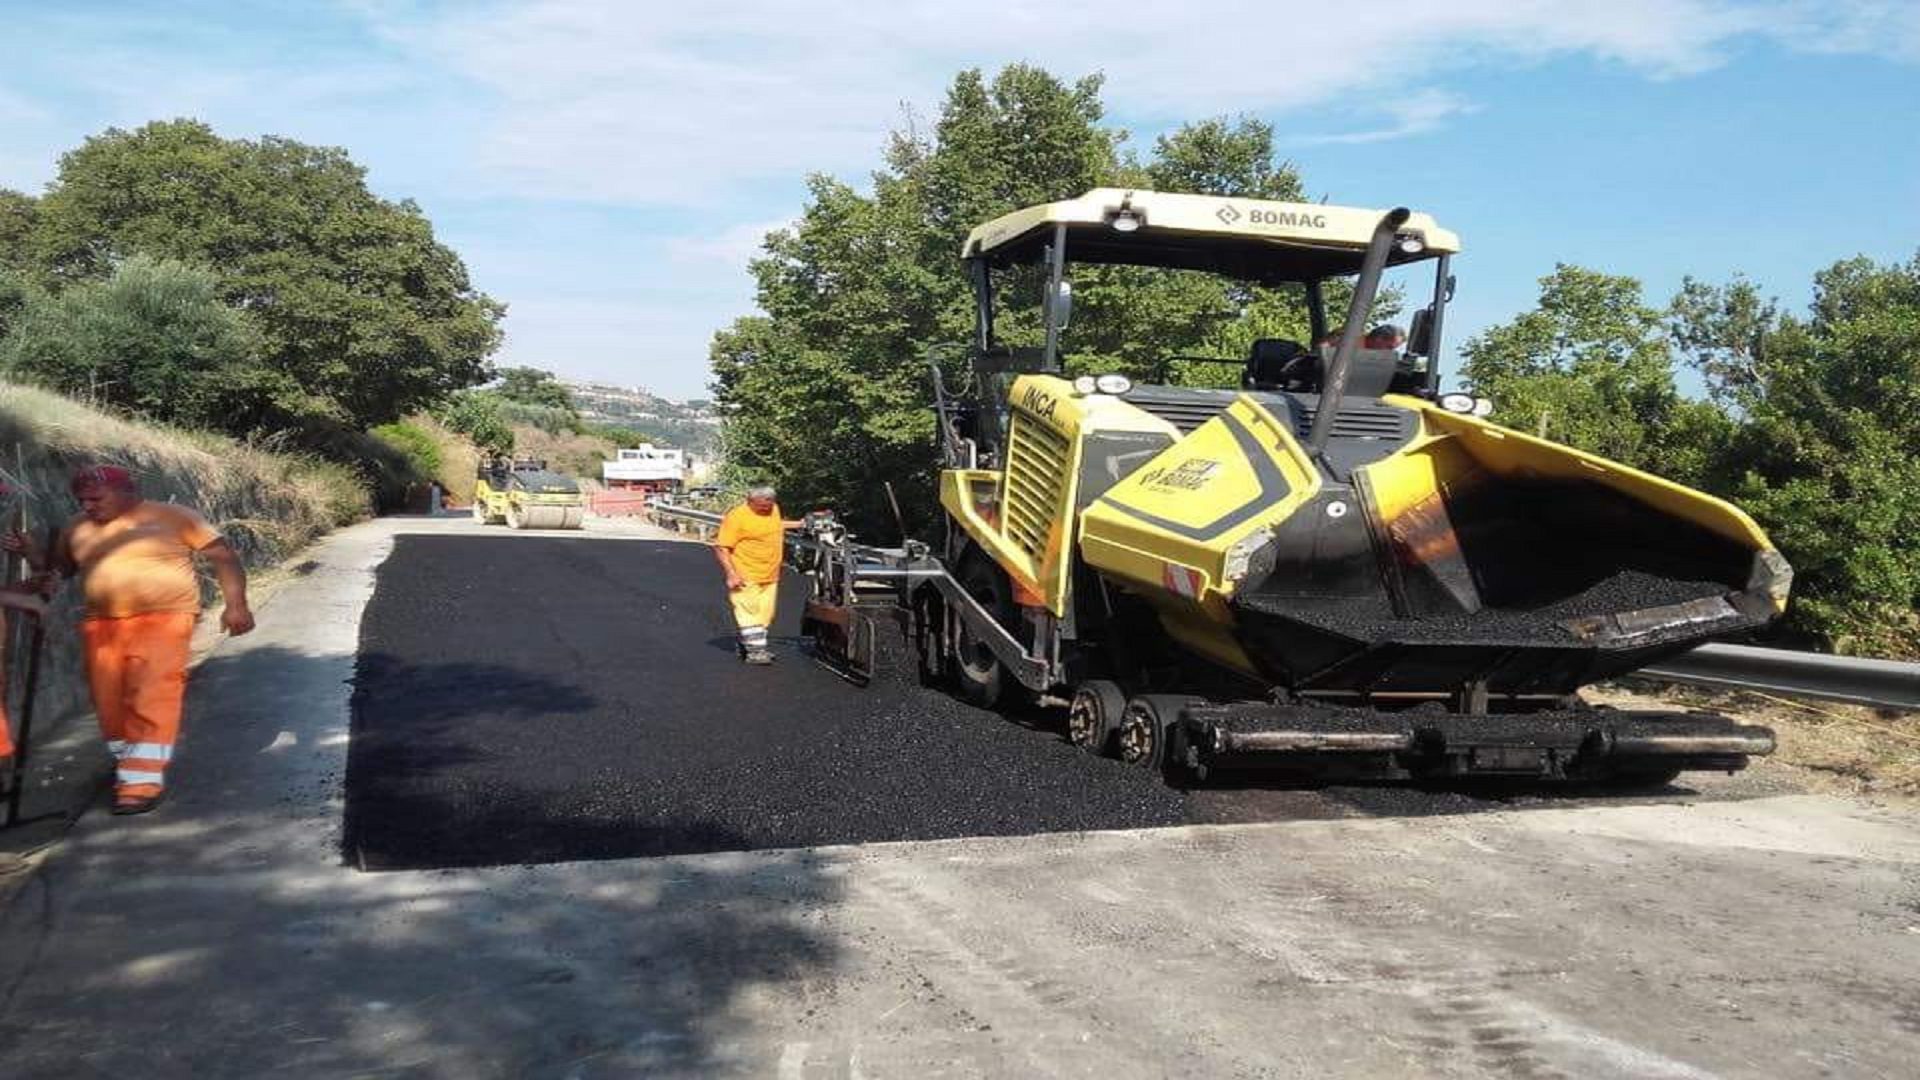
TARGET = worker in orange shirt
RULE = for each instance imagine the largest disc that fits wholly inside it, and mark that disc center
(749, 546)
(134, 558)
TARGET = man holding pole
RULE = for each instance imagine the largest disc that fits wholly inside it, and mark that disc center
(135, 562)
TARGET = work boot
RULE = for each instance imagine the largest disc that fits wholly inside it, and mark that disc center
(759, 657)
(124, 805)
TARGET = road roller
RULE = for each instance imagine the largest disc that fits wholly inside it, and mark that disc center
(524, 494)
(1314, 561)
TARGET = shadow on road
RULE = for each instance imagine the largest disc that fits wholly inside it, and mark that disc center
(251, 951)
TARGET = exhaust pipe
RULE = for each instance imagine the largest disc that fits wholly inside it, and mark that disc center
(1334, 387)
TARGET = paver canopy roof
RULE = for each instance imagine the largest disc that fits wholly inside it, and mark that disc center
(1254, 239)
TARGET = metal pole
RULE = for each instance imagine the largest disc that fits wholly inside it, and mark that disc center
(1056, 270)
(980, 274)
(1439, 319)
(1316, 312)
(23, 740)
(1334, 387)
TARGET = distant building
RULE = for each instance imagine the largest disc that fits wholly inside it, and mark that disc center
(648, 468)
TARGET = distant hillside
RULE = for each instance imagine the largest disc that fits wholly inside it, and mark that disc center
(688, 425)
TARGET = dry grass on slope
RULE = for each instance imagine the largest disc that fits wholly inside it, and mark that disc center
(269, 504)
(1840, 747)
(574, 455)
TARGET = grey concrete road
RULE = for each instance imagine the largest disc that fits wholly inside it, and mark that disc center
(1776, 936)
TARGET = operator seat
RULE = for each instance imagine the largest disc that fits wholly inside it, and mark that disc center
(1279, 364)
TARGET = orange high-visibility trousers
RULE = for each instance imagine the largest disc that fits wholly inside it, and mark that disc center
(137, 670)
(6, 689)
(6, 722)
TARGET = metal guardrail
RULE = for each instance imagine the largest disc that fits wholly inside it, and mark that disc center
(1890, 684)
(682, 518)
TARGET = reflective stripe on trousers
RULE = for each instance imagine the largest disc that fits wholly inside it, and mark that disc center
(137, 671)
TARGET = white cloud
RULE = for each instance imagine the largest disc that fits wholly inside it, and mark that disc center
(1423, 112)
(731, 247)
(1879, 27)
(686, 103)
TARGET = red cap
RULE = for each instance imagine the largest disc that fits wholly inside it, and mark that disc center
(111, 477)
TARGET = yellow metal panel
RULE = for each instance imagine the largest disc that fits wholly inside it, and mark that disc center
(1173, 524)
(1505, 452)
(972, 497)
(1027, 524)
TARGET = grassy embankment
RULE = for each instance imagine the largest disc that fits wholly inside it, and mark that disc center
(269, 505)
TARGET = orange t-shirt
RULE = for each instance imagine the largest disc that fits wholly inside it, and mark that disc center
(140, 563)
(756, 540)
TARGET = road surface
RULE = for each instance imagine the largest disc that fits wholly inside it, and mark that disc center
(523, 815)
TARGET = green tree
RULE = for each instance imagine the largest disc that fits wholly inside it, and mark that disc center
(533, 386)
(1825, 458)
(1218, 157)
(1722, 331)
(359, 307)
(1591, 366)
(153, 338)
(827, 391)
(478, 415)
(15, 290)
(422, 452)
(17, 215)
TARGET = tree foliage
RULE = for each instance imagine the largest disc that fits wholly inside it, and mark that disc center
(1825, 454)
(1591, 366)
(478, 414)
(827, 392)
(417, 443)
(153, 338)
(18, 213)
(533, 386)
(362, 315)
(1810, 423)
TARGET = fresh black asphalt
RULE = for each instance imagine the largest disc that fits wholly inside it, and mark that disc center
(531, 700)
(527, 700)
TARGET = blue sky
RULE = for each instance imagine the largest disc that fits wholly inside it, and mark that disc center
(606, 169)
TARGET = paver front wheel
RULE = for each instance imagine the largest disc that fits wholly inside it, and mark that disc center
(979, 677)
(1147, 730)
(1093, 720)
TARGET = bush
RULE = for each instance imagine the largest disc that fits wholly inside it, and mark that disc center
(573, 455)
(422, 450)
(547, 418)
(479, 416)
(155, 339)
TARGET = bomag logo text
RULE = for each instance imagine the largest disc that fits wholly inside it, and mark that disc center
(1288, 218)
(1038, 403)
